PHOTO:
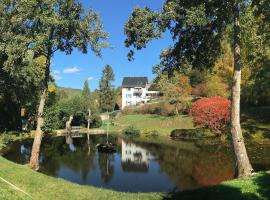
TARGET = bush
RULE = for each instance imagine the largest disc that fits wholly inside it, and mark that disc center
(131, 131)
(96, 121)
(186, 134)
(212, 113)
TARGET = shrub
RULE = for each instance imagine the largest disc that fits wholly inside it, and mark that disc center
(212, 113)
(186, 134)
(96, 121)
(131, 131)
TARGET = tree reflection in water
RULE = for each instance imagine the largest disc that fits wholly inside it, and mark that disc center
(138, 166)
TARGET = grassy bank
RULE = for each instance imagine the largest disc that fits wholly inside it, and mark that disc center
(40, 186)
(148, 123)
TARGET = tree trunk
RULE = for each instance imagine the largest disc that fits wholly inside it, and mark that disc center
(242, 164)
(68, 123)
(34, 160)
(88, 120)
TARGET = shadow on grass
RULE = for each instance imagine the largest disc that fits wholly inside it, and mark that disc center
(256, 189)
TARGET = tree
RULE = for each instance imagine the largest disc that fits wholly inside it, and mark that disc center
(20, 72)
(86, 90)
(46, 27)
(197, 28)
(214, 86)
(107, 97)
(176, 90)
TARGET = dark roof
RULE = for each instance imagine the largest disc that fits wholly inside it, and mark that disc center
(134, 81)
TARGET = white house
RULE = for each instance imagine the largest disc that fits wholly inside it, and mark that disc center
(135, 91)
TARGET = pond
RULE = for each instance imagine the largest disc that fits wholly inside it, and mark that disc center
(137, 166)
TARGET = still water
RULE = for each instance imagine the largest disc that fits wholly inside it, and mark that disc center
(137, 166)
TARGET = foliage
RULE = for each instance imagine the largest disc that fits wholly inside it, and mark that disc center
(30, 34)
(96, 121)
(8, 137)
(215, 87)
(212, 113)
(197, 77)
(57, 114)
(107, 97)
(15, 88)
(86, 90)
(131, 131)
(199, 90)
(176, 90)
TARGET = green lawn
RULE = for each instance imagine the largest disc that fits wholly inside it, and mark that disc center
(40, 187)
(147, 123)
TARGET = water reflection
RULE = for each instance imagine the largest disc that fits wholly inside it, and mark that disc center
(135, 158)
(136, 166)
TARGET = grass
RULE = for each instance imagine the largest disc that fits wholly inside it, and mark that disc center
(40, 186)
(256, 187)
(148, 123)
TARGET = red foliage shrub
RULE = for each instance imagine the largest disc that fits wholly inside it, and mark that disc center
(212, 113)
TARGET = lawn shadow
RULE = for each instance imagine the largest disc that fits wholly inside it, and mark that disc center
(224, 192)
(263, 182)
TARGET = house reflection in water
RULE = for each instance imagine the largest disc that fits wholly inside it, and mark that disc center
(135, 158)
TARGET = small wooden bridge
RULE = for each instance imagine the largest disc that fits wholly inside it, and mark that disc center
(79, 132)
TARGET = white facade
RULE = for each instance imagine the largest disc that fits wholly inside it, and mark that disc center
(133, 96)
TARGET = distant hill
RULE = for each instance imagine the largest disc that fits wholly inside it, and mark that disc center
(69, 92)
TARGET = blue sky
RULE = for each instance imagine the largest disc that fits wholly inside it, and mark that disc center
(72, 70)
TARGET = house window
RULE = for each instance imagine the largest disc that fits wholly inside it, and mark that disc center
(128, 89)
(128, 96)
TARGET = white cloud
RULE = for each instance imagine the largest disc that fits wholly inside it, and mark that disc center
(71, 70)
(90, 78)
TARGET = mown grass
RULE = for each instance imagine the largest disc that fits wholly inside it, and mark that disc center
(40, 186)
(149, 123)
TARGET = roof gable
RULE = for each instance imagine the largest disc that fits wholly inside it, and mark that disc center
(135, 82)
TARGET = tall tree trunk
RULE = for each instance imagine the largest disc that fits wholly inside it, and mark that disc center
(34, 160)
(243, 166)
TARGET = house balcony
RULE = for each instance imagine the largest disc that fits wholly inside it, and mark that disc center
(137, 92)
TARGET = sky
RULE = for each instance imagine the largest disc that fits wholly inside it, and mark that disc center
(72, 70)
